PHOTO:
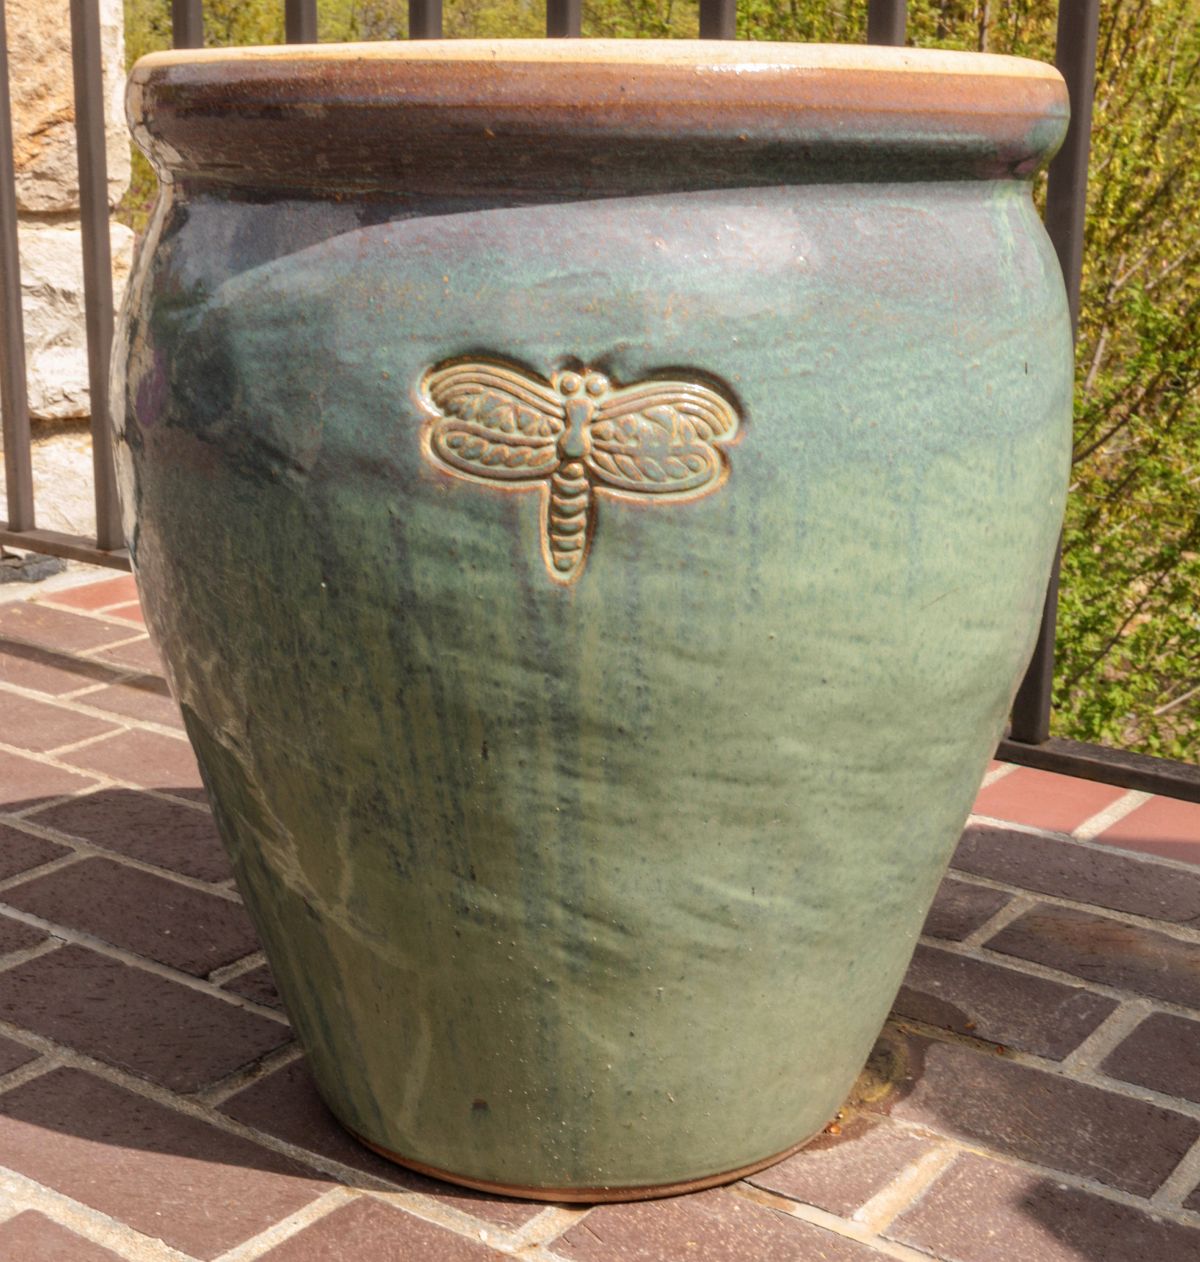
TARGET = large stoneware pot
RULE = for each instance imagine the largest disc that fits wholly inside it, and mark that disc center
(594, 500)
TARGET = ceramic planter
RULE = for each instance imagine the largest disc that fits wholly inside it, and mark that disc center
(595, 502)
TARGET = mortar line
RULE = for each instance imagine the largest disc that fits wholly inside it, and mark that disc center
(1107, 1036)
(292, 1225)
(229, 972)
(997, 773)
(1124, 805)
(92, 1224)
(906, 1189)
(1139, 856)
(1016, 907)
(14, 959)
(85, 849)
(1180, 1184)
(835, 1225)
(79, 937)
(226, 1088)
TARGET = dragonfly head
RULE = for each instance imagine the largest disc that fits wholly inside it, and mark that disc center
(592, 384)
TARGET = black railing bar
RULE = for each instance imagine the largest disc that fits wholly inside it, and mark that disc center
(97, 257)
(56, 544)
(187, 23)
(300, 21)
(14, 399)
(1119, 767)
(1066, 204)
(718, 19)
(564, 19)
(424, 19)
(887, 21)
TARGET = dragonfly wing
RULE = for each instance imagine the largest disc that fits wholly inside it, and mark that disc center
(493, 421)
(662, 438)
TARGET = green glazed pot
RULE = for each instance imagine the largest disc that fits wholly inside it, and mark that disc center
(595, 502)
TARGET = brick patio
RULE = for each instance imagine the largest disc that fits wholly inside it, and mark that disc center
(1036, 1097)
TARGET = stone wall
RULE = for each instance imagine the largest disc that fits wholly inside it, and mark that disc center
(43, 107)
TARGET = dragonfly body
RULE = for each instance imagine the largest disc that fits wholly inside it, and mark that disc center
(573, 435)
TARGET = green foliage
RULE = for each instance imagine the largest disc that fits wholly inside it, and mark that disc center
(1129, 626)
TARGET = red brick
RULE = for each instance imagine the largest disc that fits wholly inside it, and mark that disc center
(138, 1021)
(714, 1226)
(286, 1105)
(56, 628)
(1043, 799)
(258, 985)
(139, 655)
(368, 1231)
(144, 758)
(1163, 1053)
(169, 1176)
(1162, 826)
(20, 851)
(46, 671)
(24, 781)
(146, 698)
(983, 1211)
(1018, 1111)
(959, 908)
(12, 1056)
(131, 612)
(15, 936)
(153, 916)
(32, 1237)
(841, 1173)
(98, 595)
(1105, 951)
(151, 829)
(999, 1004)
(39, 726)
(1068, 869)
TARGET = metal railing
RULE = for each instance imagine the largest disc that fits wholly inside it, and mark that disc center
(1028, 742)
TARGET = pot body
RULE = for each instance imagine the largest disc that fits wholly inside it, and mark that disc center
(606, 883)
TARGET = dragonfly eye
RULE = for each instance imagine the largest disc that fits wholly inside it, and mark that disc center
(596, 383)
(570, 383)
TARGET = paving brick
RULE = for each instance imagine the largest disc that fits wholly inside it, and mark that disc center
(999, 1004)
(1106, 951)
(841, 1173)
(372, 1232)
(715, 1226)
(24, 781)
(146, 698)
(286, 1105)
(1162, 826)
(150, 915)
(983, 1211)
(1044, 799)
(138, 1021)
(143, 758)
(258, 985)
(1163, 1053)
(959, 908)
(12, 1056)
(151, 829)
(32, 1237)
(98, 595)
(139, 655)
(56, 628)
(15, 936)
(44, 670)
(1037, 1116)
(167, 1175)
(131, 612)
(1081, 873)
(20, 851)
(39, 726)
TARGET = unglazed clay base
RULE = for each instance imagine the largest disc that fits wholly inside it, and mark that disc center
(647, 1192)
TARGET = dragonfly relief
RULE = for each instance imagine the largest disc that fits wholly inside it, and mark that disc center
(574, 435)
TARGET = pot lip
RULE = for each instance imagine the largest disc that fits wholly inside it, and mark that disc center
(746, 56)
(570, 118)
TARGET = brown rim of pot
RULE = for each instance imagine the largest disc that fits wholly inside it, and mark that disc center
(589, 117)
